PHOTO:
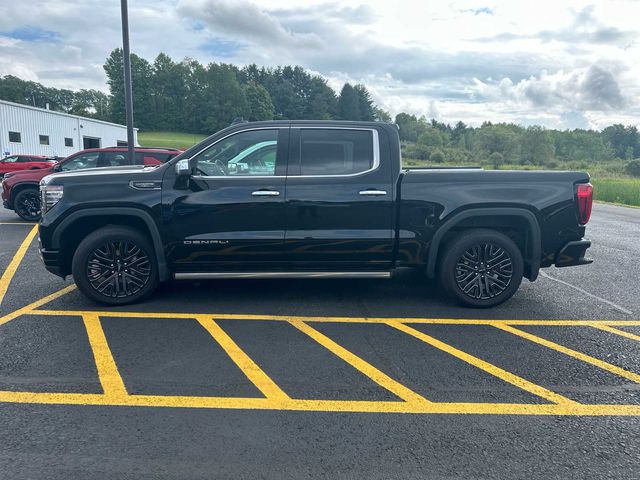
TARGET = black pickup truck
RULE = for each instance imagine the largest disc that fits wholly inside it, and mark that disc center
(287, 199)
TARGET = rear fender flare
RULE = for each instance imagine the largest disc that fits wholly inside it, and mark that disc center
(531, 257)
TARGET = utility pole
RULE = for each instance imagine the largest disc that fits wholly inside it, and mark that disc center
(128, 92)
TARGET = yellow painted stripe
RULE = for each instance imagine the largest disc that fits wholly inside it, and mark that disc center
(485, 366)
(359, 364)
(8, 274)
(110, 378)
(622, 333)
(307, 319)
(250, 368)
(29, 309)
(572, 353)
(319, 405)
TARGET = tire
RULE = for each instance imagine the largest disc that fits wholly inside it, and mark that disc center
(464, 274)
(27, 204)
(102, 273)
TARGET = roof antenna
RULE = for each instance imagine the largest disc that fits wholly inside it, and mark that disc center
(239, 120)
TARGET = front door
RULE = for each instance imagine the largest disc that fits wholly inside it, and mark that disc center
(339, 203)
(230, 216)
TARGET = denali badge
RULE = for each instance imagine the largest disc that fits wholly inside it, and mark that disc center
(205, 242)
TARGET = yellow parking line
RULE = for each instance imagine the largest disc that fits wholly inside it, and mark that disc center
(361, 365)
(572, 353)
(287, 318)
(8, 274)
(250, 368)
(110, 378)
(30, 309)
(622, 333)
(485, 366)
(318, 405)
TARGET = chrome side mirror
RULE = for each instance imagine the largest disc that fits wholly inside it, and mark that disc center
(183, 168)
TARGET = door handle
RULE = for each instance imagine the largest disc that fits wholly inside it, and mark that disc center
(372, 193)
(265, 193)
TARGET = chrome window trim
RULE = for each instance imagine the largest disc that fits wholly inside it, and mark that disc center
(376, 154)
(208, 177)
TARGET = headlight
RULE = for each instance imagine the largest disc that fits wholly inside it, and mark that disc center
(49, 196)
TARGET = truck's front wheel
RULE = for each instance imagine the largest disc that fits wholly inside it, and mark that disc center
(115, 265)
(481, 268)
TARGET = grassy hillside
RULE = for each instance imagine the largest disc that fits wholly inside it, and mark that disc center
(169, 139)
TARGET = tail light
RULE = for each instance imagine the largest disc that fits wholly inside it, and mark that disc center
(584, 201)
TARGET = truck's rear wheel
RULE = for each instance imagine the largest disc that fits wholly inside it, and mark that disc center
(115, 265)
(481, 268)
(27, 204)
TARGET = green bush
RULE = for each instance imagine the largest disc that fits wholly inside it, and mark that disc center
(496, 159)
(436, 156)
(633, 168)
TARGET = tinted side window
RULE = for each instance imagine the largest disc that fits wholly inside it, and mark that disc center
(243, 154)
(113, 159)
(335, 151)
(87, 160)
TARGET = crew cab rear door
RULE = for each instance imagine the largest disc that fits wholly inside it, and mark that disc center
(339, 200)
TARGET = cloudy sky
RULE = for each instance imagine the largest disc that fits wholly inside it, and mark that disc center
(562, 64)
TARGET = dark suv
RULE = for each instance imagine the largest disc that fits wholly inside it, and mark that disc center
(20, 189)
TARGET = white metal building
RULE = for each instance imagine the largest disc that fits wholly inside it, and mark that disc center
(37, 131)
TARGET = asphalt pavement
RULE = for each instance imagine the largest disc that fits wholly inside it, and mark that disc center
(324, 378)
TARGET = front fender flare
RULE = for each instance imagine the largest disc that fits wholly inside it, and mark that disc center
(163, 270)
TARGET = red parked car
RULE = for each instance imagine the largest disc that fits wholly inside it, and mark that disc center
(14, 163)
(20, 188)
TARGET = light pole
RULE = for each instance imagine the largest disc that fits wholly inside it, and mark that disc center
(128, 92)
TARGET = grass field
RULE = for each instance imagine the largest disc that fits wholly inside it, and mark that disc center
(617, 190)
(169, 139)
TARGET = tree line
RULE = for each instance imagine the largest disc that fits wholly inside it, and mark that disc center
(187, 96)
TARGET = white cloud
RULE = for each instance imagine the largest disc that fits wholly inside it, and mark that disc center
(562, 63)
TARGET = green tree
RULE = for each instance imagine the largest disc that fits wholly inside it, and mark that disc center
(633, 168)
(365, 104)
(381, 115)
(225, 98)
(349, 103)
(259, 102)
(537, 146)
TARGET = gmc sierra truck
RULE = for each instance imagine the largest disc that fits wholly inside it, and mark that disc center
(285, 199)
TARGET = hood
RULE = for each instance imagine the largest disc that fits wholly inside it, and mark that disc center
(93, 172)
(30, 172)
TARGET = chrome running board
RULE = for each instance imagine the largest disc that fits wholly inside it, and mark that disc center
(218, 275)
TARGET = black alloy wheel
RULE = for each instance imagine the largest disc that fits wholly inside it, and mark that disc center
(481, 268)
(484, 271)
(27, 205)
(118, 269)
(115, 265)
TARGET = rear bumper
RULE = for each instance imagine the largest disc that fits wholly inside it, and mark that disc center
(51, 259)
(573, 253)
